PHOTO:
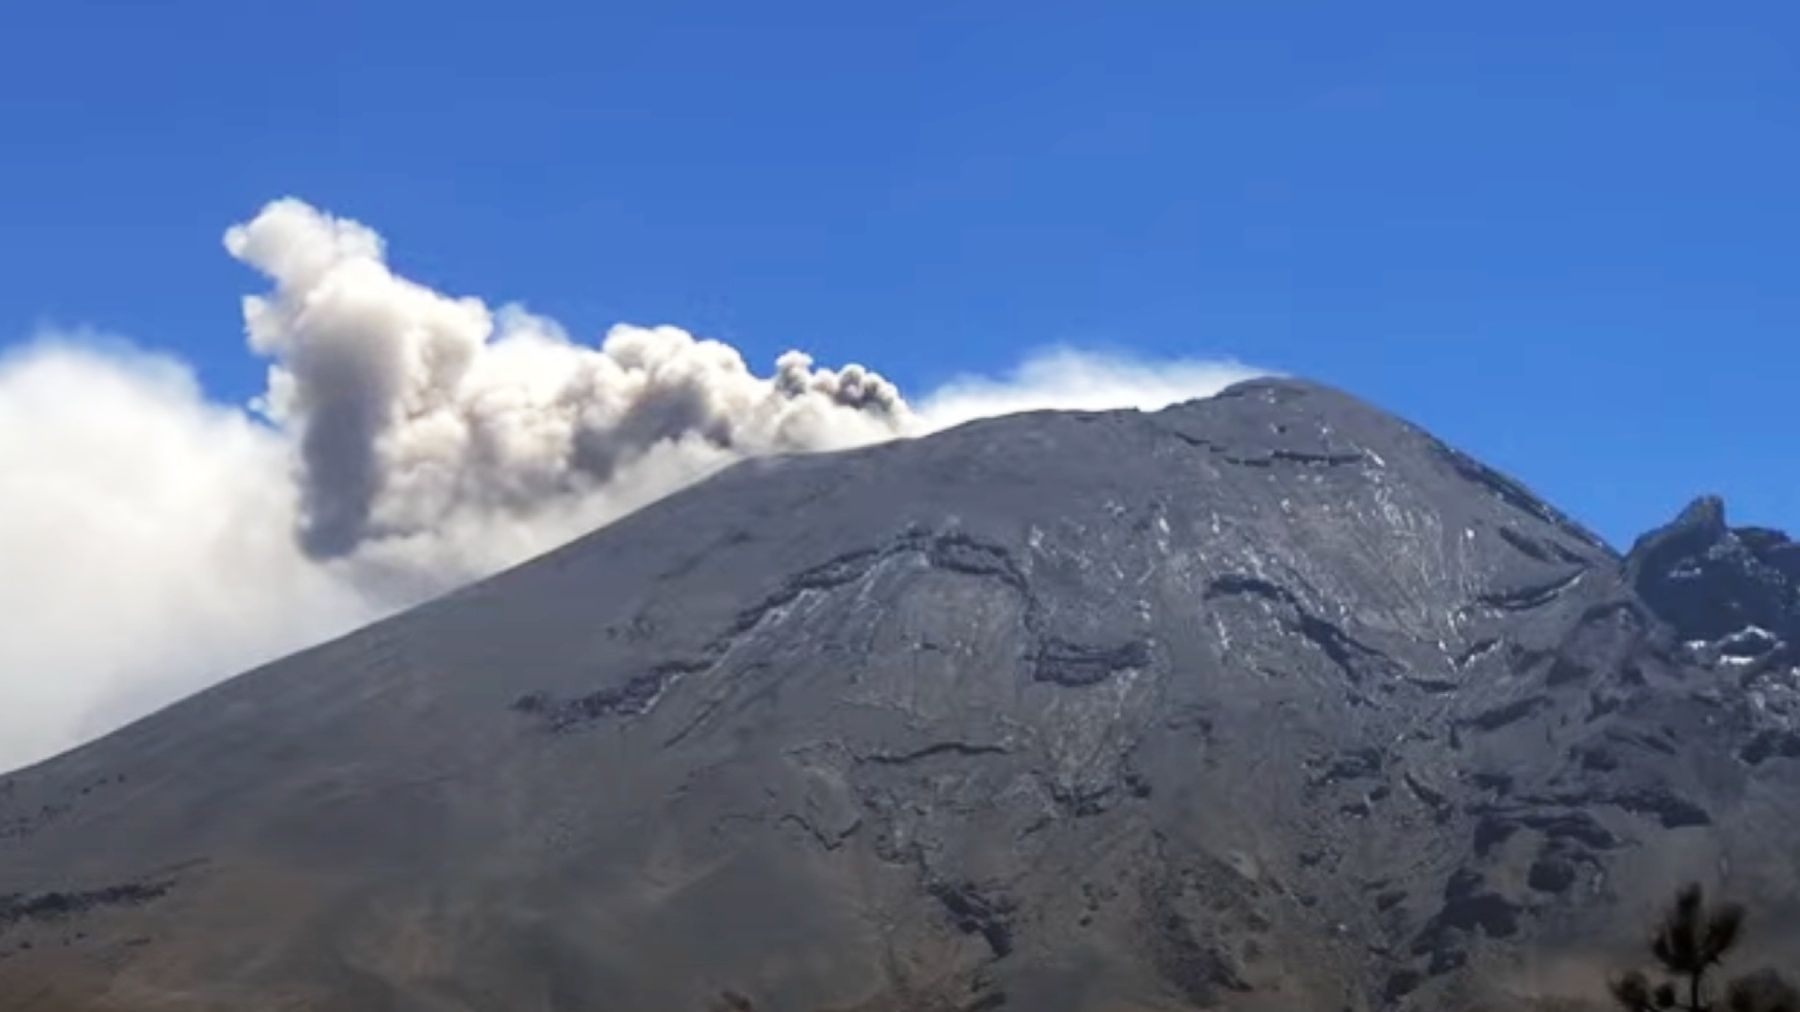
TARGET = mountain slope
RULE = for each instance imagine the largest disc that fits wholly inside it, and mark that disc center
(1263, 701)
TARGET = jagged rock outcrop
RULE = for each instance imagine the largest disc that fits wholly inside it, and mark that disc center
(1266, 701)
(1732, 595)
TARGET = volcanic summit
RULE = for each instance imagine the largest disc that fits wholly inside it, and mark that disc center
(1263, 701)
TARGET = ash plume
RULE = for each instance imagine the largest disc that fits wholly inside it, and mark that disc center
(423, 421)
(407, 441)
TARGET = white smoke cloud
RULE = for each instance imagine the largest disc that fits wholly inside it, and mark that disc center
(154, 541)
(1071, 379)
(147, 539)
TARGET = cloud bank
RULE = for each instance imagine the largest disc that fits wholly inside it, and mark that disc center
(408, 441)
(148, 547)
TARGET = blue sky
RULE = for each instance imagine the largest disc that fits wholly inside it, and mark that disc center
(1562, 236)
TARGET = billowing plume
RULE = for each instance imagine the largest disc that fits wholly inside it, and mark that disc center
(155, 540)
(425, 423)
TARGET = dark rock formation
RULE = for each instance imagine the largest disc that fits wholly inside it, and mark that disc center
(1737, 590)
(1266, 701)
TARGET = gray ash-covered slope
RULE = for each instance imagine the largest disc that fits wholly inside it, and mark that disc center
(1264, 701)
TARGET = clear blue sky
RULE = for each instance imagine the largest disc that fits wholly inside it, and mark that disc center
(1564, 236)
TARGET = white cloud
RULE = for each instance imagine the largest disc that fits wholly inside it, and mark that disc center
(1072, 379)
(155, 541)
(147, 539)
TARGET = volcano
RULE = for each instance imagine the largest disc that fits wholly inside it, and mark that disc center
(1263, 701)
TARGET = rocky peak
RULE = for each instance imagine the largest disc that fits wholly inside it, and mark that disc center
(1735, 589)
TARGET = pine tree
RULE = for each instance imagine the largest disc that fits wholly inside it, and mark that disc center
(1690, 941)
